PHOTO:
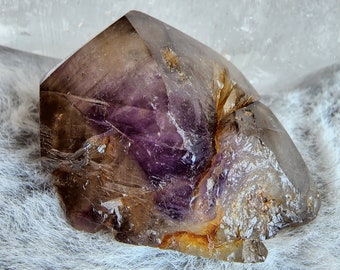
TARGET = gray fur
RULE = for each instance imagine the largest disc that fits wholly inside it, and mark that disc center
(35, 235)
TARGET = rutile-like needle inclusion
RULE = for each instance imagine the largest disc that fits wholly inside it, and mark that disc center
(152, 135)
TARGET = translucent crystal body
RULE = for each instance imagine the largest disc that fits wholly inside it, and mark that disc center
(155, 137)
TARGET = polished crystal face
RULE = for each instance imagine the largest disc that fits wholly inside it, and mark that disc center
(154, 137)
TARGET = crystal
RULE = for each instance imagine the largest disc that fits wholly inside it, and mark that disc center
(152, 136)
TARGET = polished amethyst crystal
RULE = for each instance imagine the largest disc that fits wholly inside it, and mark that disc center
(158, 139)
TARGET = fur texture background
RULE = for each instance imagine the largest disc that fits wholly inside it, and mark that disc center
(275, 43)
(35, 235)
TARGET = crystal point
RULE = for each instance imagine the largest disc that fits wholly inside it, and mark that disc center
(153, 136)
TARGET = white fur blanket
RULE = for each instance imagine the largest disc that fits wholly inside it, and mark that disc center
(35, 235)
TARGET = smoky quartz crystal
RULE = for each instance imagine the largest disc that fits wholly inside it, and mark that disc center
(154, 137)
